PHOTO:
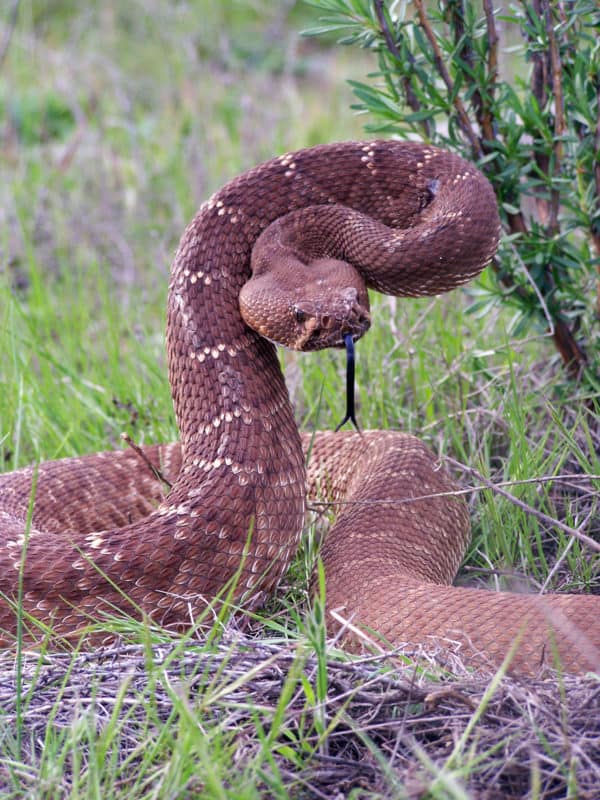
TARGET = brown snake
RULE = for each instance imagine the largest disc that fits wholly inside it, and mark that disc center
(412, 220)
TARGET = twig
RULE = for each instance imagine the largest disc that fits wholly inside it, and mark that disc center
(12, 23)
(549, 78)
(411, 98)
(538, 75)
(540, 84)
(536, 290)
(464, 50)
(559, 114)
(487, 125)
(596, 161)
(565, 552)
(387, 34)
(501, 573)
(573, 356)
(559, 562)
(463, 117)
(468, 490)
(484, 484)
(139, 452)
(575, 532)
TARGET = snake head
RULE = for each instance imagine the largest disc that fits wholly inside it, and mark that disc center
(320, 324)
(307, 306)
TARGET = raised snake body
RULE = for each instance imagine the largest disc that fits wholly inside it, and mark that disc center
(412, 220)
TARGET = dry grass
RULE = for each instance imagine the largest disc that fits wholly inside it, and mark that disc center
(380, 727)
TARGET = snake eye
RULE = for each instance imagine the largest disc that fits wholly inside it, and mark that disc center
(299, 315)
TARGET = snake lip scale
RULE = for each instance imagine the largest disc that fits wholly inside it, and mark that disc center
(287, 252)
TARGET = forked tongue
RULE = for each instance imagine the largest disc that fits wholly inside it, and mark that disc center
(349, 342)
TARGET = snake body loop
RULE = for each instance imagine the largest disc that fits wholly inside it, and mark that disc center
(275, 254)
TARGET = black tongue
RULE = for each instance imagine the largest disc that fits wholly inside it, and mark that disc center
(349, 342)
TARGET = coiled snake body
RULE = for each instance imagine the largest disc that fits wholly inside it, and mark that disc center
(411, 220)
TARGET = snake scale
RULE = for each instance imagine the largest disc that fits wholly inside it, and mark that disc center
(288, 248)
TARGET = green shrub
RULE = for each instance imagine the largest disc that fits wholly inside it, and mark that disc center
(517, 90)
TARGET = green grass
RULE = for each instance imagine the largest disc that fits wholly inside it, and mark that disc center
(116, 121)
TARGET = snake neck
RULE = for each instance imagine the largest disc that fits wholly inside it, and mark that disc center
(242, 470)
(212, 353)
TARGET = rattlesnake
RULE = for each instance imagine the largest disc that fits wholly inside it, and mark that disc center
(412, 220)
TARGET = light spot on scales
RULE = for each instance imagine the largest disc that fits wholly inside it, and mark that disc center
(202, 463)
(197, 276)
(181, 305)
(241, 471)
(367, 161)
(393, 240)
(224, 417)
(210, 203)
(95, 541)
(230, 211)
(214, 352)
(240, 344)
(19, 542)
(174, 510)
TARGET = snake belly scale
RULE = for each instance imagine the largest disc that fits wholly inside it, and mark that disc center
(408, 219)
